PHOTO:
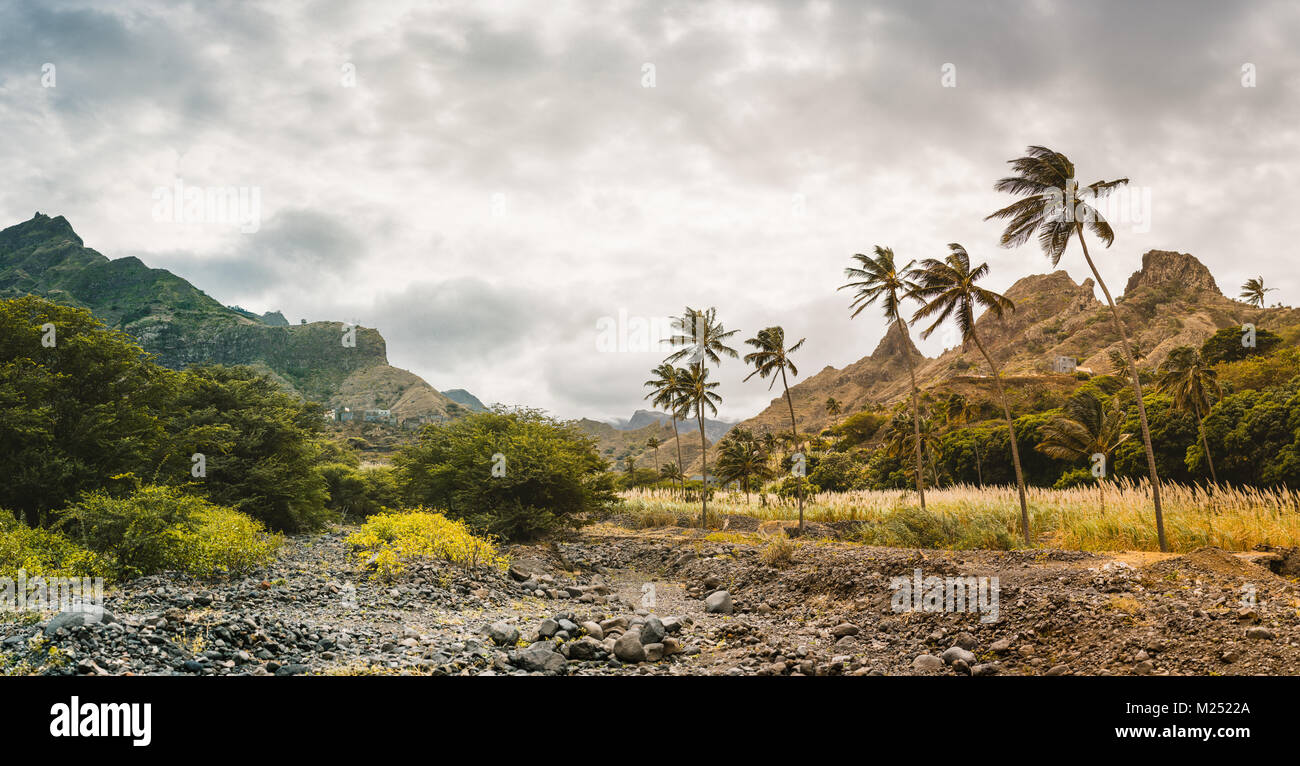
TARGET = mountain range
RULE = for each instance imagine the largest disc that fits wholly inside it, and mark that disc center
(181, 325)
(1172, 300)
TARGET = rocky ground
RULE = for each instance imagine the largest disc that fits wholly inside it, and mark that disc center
(671, 601)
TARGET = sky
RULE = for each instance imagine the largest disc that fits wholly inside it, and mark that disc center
(509, 191)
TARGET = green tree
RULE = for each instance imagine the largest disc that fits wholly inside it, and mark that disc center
(741, 458)
(878, 279)
(770, 358)
(1229, 345)
(700, 338)
(1194, 387)
(80, 411)
(1086, 428)
(947, 289)
(666, 394)
(1056, 207)
(258, 443)
(833, 408)
(512, 473)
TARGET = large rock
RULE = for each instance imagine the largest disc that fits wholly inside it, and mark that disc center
(87, 614)
(718, 602)
(652, 630)
(927, 662)
(628, 648)
(541, 657)
(503, 633)
(957, 653)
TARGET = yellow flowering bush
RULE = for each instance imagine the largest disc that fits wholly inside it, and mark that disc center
(395, 537)
(230, 541)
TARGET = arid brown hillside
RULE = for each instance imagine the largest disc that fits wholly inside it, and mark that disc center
(1171, 301)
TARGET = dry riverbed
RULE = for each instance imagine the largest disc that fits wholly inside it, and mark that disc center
(613, 600)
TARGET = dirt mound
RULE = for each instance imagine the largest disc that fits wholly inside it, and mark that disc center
(1207, 560)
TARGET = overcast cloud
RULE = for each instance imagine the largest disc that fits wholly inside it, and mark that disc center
(499, 178)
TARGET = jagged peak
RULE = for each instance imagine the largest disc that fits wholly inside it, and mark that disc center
(39, 226)
(1167, 267)
(894, 344)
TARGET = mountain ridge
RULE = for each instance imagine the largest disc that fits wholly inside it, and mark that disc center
(182, 325)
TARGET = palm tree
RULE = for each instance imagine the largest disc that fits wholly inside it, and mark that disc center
(833, 408)
(1253, 292)
(879, 279)
(698, 396)
(666, 393)
(897, 438)
(699, 338)
(772, 357)
(1053, 205)
(671, 472)
(653, 443)
(741, 458)
(1120, 362)
(1194, 387)
(1085, 428)
(947, 289)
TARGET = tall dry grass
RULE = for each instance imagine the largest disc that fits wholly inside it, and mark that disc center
(1116, 516)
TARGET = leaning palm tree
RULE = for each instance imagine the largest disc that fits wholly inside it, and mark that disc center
(697, 397)
(653, 443)
(833, 408)
(1055, 206)
(770, 358)
(1253, 292)
(1194, 386)
(877, 278)
(666, 393)
(947, 289)
(1085, 428)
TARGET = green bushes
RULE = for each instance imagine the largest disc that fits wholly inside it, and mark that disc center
(361, 492)
(42, 553)
(160, 528)
(514, 474)
(395, 538)
(94, 413)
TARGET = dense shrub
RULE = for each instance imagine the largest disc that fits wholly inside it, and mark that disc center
(388, 540)
(1225, 345)
(360, 492)
(160, 528)
(548, 474)
(41, 552)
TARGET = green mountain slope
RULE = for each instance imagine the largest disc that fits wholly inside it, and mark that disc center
(182, 325)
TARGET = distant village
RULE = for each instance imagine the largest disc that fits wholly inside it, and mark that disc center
(349, 415)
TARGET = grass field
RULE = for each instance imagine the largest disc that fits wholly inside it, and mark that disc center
(1117, 517)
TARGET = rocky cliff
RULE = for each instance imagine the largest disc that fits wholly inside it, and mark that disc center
(182, 325)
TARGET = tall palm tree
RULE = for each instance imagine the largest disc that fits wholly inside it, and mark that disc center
(1055, 206)
(653, 443)
(700, 337)
(947, 289)
(1194, 386)
(1253, 291)
(666, 393)
(878, 279)
(698, 396)
(769, 358)
(833, 408)
(1086, 427)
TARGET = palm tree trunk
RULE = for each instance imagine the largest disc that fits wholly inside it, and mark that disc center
(681, 469)
(979, 470)
(916, 411)
(1011, 429)
(704, 462)
(794, 429)
(1137, 391)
